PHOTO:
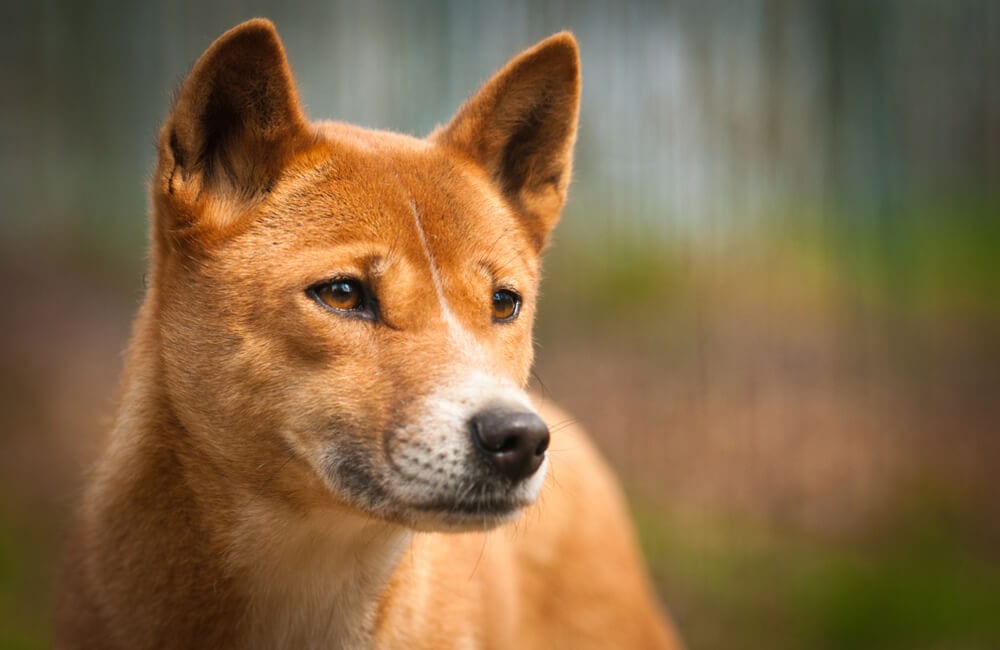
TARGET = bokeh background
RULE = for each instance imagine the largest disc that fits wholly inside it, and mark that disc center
(774, 298)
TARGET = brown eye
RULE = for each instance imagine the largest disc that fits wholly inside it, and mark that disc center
(340, 295)
(506, 305)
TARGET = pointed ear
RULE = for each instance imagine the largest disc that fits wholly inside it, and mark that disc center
(235, 123)
(520, 127)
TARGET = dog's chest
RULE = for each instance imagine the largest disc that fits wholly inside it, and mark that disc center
(323, 619)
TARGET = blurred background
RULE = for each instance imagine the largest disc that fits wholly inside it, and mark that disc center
(774, 298)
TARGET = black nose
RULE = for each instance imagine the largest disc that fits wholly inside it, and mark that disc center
(513, 441)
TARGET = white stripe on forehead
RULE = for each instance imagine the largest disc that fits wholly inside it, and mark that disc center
(459, 334)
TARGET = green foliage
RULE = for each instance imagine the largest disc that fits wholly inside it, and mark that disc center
(930, 261)
(26, 550)
(921, 584)
(931, 258)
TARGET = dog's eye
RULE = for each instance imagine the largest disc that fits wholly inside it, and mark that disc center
(340, 295)
(506, 305)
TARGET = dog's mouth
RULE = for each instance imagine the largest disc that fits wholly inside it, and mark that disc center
(462, 515)
(495, 505)
(424, 491)
(481, 502)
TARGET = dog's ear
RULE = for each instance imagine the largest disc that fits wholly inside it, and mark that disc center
(234, 124)
(521, 126)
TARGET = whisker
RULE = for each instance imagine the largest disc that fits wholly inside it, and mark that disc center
(560, 450)
(289, 456)
(492, 248)
(482, 551)
(546, 395)
(563, 424)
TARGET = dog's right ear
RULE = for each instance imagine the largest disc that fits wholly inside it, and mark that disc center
(234, 125)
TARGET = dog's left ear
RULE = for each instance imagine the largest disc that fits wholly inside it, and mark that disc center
(520, 127)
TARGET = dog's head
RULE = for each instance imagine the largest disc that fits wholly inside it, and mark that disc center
(356, 306)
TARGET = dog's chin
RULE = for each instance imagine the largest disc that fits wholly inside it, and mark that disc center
(456, 513)
(450, 520)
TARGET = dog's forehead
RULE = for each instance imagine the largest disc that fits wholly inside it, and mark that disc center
(371, 185)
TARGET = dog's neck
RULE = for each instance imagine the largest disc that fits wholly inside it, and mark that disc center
(310, 574)
(314, 580)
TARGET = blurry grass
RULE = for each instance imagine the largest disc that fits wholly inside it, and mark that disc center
(930, 259)
(933, 259)
(27, 549)
(629, 280)
(919, 584)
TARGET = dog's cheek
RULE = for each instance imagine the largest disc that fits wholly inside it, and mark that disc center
(512, 351)
(330, 405)
(524, 353)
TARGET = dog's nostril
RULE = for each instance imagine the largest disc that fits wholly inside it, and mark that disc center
(509, 443)
(512, 441)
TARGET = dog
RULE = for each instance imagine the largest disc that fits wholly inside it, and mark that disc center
(324, 439)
